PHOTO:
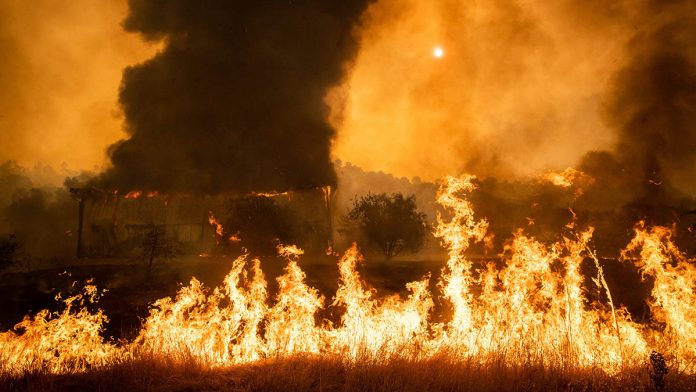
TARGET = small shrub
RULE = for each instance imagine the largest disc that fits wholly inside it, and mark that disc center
(658, 370)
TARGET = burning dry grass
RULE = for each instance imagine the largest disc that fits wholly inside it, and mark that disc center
(527, 325)
(326, 373)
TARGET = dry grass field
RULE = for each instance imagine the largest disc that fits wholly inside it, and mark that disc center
(311, 373)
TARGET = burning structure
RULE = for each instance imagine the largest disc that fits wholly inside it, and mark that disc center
(113, 225)
(232, 125)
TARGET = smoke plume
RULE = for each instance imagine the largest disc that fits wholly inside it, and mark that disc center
(651, 105)
(235, 100)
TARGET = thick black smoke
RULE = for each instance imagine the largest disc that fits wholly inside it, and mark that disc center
(235, 100)
(652, 107)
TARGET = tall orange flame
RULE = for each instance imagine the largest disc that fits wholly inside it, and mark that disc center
(532, 307)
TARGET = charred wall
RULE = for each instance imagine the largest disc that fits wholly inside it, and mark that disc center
(113, 225)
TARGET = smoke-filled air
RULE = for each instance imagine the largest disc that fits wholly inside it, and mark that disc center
(371, 195)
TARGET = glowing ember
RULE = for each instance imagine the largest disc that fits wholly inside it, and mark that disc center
(133, 194)
(269, 194)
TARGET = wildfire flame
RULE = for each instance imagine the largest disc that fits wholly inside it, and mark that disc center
(59, 342)
(269, 194)
(219, 230)
(531, 308)
(133, 194)
(139, 194)
(567, 178)
(674, 296)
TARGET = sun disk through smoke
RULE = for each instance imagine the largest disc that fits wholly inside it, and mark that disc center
(438, 52)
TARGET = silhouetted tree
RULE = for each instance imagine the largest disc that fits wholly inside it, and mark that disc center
(9, 250)
(390, 224)
(157, 245)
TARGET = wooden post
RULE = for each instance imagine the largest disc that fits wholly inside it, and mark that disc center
(327, 192)
(79, 195)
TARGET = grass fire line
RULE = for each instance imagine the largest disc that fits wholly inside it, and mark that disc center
(532, 312)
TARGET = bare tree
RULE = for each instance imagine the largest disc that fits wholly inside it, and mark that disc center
(157, 245)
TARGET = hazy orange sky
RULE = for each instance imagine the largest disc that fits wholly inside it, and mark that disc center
(517, 91)
(60, 79)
